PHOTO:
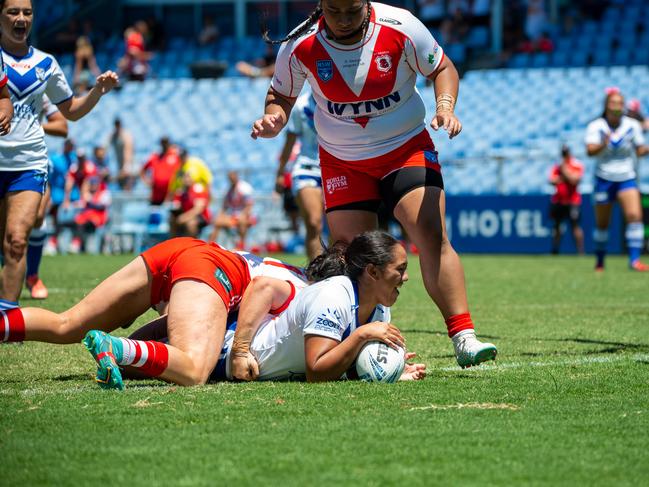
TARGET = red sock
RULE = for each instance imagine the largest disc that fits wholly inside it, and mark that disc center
(458, 323)
(150, 357)
(12, 325)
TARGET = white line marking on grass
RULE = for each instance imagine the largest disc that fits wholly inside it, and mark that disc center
(469, 405)
(484, 368)
(578, 361)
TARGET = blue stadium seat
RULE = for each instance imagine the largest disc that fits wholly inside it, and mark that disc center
(478, 38)
(519, 61)
(540, 60)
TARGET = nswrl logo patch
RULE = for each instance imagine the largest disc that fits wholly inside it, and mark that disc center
(223, 279)
(325, 69)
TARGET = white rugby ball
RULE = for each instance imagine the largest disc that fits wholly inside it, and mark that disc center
(376, 362)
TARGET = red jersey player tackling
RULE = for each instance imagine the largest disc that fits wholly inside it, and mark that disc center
(362, 61)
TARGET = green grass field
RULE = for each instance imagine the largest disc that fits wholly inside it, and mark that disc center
(567, 403)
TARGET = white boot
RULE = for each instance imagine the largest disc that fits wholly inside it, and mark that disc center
(470, 351)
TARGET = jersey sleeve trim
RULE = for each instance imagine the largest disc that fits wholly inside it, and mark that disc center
(285, 304)
(275, 90)
(64, 100)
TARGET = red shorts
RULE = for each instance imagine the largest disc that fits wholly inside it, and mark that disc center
(346, 182)
(189, 258)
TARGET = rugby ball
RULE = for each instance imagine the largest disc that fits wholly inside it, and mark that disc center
(376, 362)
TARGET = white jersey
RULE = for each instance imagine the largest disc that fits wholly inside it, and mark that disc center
(301, 123)
(617, 162)
(30, 77)
(328, 308)
(365, 93)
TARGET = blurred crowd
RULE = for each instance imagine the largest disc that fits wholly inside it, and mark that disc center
(179, 185)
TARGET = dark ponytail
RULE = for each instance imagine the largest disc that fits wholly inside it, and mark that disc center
(309, 22)
(341, 259)
(306, 25)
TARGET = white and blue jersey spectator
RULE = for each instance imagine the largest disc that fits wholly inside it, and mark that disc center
(23, 154)
(615, 141)
(306, 179)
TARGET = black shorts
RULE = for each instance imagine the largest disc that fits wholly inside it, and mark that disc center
(289, 203)
(395, 186)
(560, 212)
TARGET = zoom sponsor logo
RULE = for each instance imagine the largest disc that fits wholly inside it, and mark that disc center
(328, 321)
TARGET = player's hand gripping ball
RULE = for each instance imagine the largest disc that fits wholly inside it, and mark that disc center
(376, 362)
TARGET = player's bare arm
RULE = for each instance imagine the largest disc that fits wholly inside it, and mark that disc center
(328, 359)
(594, 149)
(278, 109)
(262, 295)
(77, 107)
(6, 111)
(56, 125)
(447, 81)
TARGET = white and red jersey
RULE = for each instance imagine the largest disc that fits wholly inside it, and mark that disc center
(365, 92)
(187, 199)
(238, 197)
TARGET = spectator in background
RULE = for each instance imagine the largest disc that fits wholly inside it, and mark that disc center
(190, 207)
(195, 167)
(135, 63)
(536, 21)
(565, 203)
(78, 174)
(101, 161)
(261, 68)
(94, 206)
(82, 169)
(544, 43)
(159, 170)
(236, 212)
(85, 66)
(209, 33)
(121, 141)
(89, 31)
(59, 170)
(431, 12)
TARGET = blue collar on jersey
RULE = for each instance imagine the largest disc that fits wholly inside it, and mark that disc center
(22, 85)
(356, 306)
(29, 54)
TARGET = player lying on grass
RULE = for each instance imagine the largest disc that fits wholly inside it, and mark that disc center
(317, 336)
(196, 283)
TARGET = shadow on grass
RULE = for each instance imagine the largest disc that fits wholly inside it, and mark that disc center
(65, 378)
